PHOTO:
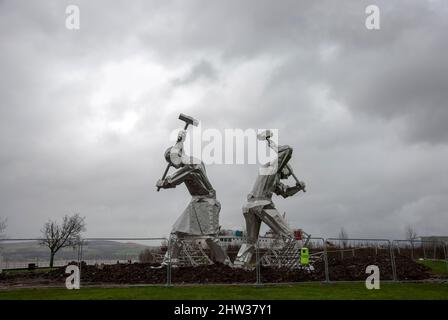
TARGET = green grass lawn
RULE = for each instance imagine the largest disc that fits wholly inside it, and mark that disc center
(300, 291)
(437, 266)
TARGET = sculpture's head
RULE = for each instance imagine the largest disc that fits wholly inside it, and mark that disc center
(174, 157)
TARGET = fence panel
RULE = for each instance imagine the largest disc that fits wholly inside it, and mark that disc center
(420, 252)
(348, 258)
(100, 261)
(26, 262)
(280, 263)
(195, 264)
(124, 261)
(31, 253)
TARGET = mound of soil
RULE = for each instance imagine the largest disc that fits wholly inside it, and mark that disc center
(350, 268)
(353, 268)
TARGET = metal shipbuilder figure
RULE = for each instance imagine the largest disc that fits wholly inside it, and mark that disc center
(260, 208)
(201, 217)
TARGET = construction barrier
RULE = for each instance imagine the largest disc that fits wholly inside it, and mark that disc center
(282, 262)
(149, 261)
(195, 264)
(121, 263)
(349, 258)
(419, 251)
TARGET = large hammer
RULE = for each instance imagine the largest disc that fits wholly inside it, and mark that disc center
(188, 120)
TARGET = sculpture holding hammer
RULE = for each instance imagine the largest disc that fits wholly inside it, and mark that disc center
(201, 217)
(260, 208)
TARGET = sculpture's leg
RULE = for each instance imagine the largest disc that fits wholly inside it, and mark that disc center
(218, 252)
(247, 249)
(288, 256)
(276, 222)
(174, 247)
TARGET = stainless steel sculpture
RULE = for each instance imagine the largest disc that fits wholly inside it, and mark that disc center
(260, 208)
(200, 220)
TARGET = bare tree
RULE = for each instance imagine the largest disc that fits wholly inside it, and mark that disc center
(2, 225)
(343, 235)
(68, 234)
(411, 233)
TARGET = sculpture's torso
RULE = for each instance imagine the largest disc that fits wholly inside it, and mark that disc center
(264, 187)
(266, 184)
(197, 181)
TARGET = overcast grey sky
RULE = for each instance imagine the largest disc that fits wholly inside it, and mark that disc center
(85, 115)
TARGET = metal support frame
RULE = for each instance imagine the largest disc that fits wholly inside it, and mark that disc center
(274, 258)
(191, 253)
(285, 253)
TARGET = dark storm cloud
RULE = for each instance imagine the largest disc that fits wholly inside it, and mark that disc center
(202, 70)
(373, 72)
(85, 115)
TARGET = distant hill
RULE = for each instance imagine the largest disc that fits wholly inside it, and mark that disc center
(104, 249)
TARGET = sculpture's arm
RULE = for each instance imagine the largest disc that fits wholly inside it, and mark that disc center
(176, 178)
(177, 151)
(272, 145)
(287, 191)
(285, 149)
(283, 156)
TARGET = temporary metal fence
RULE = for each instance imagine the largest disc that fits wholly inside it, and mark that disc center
(30, 254)
(419, 250)
(328, 257)
(359, 253)
(194, 262)
(283, 264)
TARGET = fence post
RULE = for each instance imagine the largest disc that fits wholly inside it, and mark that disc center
(392, 260)
(1, 258)
(424, 250)
(445, 253)
(257, 264)
(80, 259)
(327, 273)
(168, 266)
(435, 249)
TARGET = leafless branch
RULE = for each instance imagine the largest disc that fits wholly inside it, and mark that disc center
(68, 234)
(343, 235)
(411, 233)
(2, 225)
